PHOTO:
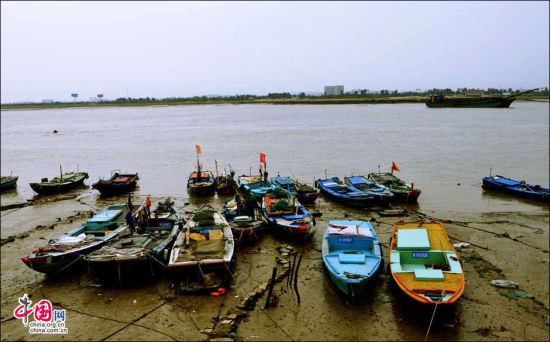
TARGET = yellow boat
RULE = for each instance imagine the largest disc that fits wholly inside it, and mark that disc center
(424, 264)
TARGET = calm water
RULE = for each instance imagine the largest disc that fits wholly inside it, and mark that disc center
(435, 148)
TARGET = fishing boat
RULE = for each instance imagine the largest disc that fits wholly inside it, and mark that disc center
(8, 182)
(201, 182)
(225, 184)
(284, 212)
(205, 240)
(255, 185)
(137, 256)
(304, 192)
(424, 264)
(243, 217)
(117, 184)
(64, 182)
(402, 191)
(343, 193)
(517, 188)
(65, 250)
(351, 255)
(370, 187)
(499, 101)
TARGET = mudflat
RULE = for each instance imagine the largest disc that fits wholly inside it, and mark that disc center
(510, 245)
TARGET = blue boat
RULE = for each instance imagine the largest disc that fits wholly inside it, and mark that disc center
(343, 193)
(351, 254)
(255, 186)
(370, 187)
(283, 212)
(517, 188)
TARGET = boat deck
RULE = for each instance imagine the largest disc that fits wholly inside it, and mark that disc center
(423, 261)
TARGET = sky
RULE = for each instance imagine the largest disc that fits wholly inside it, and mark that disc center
(179, 49)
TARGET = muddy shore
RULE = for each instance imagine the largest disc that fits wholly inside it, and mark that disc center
(509, 245)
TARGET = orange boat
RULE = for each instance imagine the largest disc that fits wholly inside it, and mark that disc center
(424, 264)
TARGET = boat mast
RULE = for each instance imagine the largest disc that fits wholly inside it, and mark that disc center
(216, 162)
(61, 172)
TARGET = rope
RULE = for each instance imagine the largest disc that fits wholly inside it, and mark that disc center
(429, 326)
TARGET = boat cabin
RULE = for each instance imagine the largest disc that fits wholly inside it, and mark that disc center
(205, 177)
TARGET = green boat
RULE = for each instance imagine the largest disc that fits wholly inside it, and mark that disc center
(402, 192)
(63, 183)
(8, 182)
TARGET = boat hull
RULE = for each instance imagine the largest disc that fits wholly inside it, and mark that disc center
(308, 198)
(126, 271)
(226, 189)
(490, 184)
(55, 263)
(57, 188)
(471, 103)
(347, 287)
(202, 190)
(356, 203)
(9, 184)
(406, 196)
(115, 188)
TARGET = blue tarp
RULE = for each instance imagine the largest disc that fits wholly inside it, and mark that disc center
(357, 180)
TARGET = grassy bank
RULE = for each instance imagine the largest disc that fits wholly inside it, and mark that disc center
(211, 101)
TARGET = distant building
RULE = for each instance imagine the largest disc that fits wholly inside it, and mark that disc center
(47, 101)
(334, 90)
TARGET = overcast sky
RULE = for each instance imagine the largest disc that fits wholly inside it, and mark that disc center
(50, 49)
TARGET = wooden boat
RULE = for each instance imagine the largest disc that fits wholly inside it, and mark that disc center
(351, 254)
(402, 191)
(61, 252)
(285, 213)
(304, 192)
(424, 264)
(343, 193)
(255, 185)
(201, 183)
(137, 256)
(370, 187)
(117, 184)
(517, 188)
(244, 219)
(206, 240)
(64, 182)
(225, 184)
(8, 182)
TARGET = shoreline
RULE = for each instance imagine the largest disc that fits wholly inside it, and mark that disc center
(292, 101)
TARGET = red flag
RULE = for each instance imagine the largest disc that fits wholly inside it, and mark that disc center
(262, 158)
(394, 167)
(198, 149)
